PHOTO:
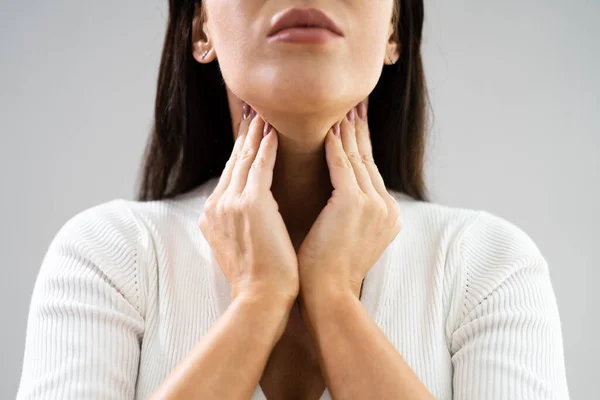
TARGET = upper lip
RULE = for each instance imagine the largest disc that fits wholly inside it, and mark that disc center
(303, 17)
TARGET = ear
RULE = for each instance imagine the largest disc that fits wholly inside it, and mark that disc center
(202, 46)
(392, 48)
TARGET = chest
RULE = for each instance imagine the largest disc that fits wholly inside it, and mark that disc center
(406, 304)
(293, 371)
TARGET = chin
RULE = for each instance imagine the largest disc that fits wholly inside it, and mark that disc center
(303, 94)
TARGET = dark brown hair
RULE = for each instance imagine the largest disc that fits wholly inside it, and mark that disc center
(192, 138)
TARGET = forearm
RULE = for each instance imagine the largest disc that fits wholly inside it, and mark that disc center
(228, 361)
(356, 358)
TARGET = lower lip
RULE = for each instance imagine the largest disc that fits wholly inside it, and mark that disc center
(305, 35)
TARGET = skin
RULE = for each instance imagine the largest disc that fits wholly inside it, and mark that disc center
(235, 354)
(315, 183)
(301, 90)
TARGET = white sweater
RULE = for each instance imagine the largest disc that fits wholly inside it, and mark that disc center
(127, 288)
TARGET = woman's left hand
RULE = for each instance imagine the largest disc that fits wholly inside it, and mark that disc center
(360, 219)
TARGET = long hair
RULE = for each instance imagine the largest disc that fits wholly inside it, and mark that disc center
(191, 105)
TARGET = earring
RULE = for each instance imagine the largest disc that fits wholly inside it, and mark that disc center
(390, 59)
(203, 56)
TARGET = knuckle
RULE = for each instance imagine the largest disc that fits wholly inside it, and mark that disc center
(209, 203)
(209, 208)
(398, 225)
(368, 159)
(354, 157)
(383, 209)
(259, 162)
(393, 213)
(248, 201)
(377, 208)
(247, 153)
(202, 223)
(390, 198)
(232, 159)
(227, 207)
(341, 161)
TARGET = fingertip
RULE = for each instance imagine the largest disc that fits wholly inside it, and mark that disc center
(330, 137)
(271, 139)
(267, 136)
(347, 126)
(244, 126)
(351, 115)
(256, 124)
(245, 111)
(267, 129)
(337, 129)
(331, 141)
(362, 110)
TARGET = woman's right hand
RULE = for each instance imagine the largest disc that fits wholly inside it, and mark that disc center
(242, 224)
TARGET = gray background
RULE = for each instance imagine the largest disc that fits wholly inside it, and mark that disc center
(515, 91)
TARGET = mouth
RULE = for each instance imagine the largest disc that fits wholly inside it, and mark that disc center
(303, 25)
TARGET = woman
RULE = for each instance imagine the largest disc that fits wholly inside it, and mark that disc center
(282, 245)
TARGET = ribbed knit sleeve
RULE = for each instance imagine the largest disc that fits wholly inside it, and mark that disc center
(85, 320)
(508, 341)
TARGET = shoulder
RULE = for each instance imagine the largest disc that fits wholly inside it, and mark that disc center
(475, 233)
(109, 219)
(123, 243)
(431, 225)
(109, 222)
(490, 249)
(480, 250)
(97, 247)
(489, 237)
(497, 258)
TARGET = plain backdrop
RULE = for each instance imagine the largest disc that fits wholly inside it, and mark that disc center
(514, 88)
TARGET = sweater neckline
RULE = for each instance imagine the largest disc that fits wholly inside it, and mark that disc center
(372, 287)
(371, 298)
(371, 293)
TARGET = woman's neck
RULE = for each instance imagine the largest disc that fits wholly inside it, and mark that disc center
(301, 183)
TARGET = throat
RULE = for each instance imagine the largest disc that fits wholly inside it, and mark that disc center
(301, 186)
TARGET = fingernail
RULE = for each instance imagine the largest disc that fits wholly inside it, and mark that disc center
(336, 130)
(252, 113)
(267, 129)
(245, 111)
(350, 115)
(362, 110)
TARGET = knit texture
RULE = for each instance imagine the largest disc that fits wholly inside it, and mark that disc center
(127, 288)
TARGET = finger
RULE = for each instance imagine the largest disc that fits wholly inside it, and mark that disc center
(340, 170)
(363, 139)
(348, 136)
(246, 158)
(237, 148)
(260, 176)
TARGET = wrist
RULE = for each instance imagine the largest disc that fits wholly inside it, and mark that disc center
(266, 294)
(323, 309)
(323, 299)
(267, 310)
(265, 303)
(328, 291)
